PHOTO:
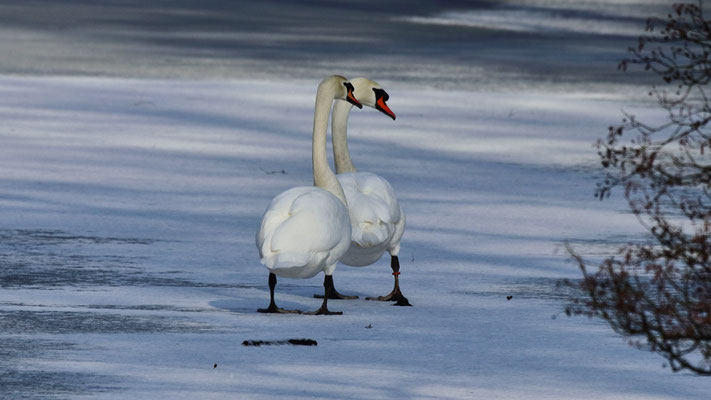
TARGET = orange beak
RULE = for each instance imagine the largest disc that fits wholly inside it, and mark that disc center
(380, 105)
(351, 99)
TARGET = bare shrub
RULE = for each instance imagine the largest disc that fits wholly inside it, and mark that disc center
(659, 293)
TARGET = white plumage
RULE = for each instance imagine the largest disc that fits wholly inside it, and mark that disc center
(377, 220)
(305, 230)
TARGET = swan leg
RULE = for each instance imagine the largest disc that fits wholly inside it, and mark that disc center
(272, 305)
(334, 293)
(396, 295)
(328, 291)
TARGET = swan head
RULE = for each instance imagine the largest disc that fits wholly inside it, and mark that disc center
(342, 89)
(370, 94)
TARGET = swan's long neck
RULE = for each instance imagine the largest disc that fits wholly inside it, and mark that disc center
(323, 175)
(339, 124)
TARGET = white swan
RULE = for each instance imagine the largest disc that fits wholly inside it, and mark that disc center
(305, 230)
(376, 217)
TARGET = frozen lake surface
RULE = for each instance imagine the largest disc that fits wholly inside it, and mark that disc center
(474, 44)
(142, 141)
(128, 214)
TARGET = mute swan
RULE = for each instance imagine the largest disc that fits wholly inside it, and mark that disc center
(305, 230)
(376, 217)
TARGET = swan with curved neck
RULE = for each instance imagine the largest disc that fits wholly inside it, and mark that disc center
(377, 220)
(372, 95)
(305, 230)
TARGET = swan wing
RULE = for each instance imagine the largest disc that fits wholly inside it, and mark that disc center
(373, 207)
(303, 230)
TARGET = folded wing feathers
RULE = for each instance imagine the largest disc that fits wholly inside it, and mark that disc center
(301, 227)
(373, 208)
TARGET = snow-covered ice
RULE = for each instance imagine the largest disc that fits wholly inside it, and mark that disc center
(140, 143)
(128, 211)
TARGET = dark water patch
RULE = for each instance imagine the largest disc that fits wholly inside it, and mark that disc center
(37, 384)
(547, 289)
(146, 307)
(12, 348)
(57, 274)
(50, 237)
(140, 307)
(52, 258)
(49, 259)
(52, 276)
(607, 246)
(72, 322)
(20, 381)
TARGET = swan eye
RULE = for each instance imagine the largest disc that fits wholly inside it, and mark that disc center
(350, 97)
(380, 93)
